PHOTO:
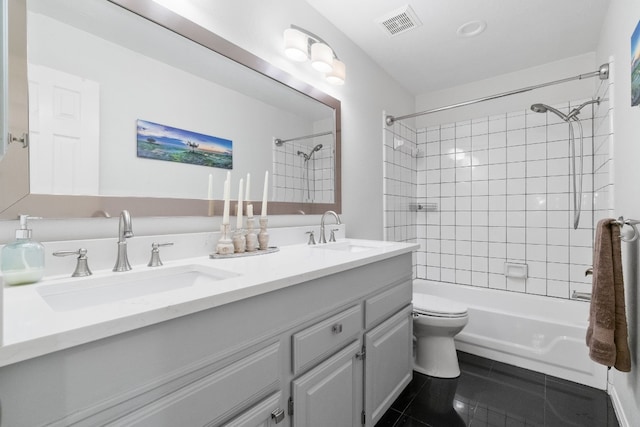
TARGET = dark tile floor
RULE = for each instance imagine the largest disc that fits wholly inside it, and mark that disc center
(492, 394)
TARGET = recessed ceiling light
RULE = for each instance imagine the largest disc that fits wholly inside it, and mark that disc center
(471, 28)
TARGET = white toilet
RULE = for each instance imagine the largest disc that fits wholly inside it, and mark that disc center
(436, 321)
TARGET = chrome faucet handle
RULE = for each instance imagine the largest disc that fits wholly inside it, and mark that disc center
(332, 236)
(312, 239)
(82, 266)
(155, 254)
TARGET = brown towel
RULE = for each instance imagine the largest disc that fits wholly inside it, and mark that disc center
(607, 331)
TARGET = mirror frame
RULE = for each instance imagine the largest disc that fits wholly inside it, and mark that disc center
(68, 206)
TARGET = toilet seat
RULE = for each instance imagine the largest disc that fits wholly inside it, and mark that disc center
(429, 305)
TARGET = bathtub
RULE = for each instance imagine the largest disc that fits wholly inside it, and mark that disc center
(539, 333)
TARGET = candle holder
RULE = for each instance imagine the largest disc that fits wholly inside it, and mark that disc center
(263, 236)
(225, 245)
(239, 241)
(251, 240)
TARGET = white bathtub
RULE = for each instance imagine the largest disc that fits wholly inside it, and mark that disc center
(542, 334)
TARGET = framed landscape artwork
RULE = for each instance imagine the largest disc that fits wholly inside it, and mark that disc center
(161, 142)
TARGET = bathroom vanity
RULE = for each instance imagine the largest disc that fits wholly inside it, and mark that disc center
(307, 336)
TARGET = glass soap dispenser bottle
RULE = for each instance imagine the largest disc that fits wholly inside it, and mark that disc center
(22, 261)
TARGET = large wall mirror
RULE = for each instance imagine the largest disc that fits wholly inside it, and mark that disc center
(131, 106)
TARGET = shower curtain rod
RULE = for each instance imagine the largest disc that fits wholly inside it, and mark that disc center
(279, 141)
(603, 73)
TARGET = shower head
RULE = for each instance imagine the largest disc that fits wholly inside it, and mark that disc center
(544, 108)
(576, 110)
(539, 108)
(310, 155)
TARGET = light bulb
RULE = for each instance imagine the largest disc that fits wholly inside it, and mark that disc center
(295, 45)
(338, 74)
(321, 57)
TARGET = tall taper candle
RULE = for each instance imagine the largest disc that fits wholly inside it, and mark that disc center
(247, 191)
(250, 211)
(225, 212)
(210, 189)
(239, 220)
(265, 194)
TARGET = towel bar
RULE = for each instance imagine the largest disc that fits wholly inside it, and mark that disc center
(631, 222)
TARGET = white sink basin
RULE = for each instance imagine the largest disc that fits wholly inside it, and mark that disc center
(353, 245)
(92, 291)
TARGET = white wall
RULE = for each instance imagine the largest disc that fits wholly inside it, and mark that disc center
(621, 20)
(257, 26)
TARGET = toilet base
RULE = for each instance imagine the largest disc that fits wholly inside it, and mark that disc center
(436, 357)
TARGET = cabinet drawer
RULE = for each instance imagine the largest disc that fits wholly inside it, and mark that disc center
(313, 344)
(214, 397)
(383, 305)
(260, 415)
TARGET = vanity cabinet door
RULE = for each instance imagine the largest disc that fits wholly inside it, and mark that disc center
(388, 363)
(331, 393)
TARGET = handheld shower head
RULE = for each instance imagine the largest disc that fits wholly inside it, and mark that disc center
(308, 156)
(544, 108)
(539, 108)
(573, 113)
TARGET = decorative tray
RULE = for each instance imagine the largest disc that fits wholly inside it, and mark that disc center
(269, 250)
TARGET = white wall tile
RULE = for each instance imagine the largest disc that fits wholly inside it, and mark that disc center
(500, 179)
(516, 285)
(536, 286)
(498, 139)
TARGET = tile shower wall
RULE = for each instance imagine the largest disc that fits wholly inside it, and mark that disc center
(400, 183)
(502, 187)
(295, 180)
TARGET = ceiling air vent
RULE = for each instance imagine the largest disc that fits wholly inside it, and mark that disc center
(399, 21)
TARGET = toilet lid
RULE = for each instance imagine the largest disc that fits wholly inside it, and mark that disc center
(437, 306)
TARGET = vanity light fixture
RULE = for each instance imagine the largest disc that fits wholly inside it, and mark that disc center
(301, 45)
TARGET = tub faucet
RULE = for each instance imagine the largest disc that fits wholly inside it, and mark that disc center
(323, 239)
(124, 232)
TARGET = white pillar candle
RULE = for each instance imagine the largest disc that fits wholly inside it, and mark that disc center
(239, 220)
(210, 189)
(247, 192)
(250, 211)
(225, 213)
(265, 193)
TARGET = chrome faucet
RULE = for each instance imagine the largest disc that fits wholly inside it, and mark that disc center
(124, 232)
(323, 239)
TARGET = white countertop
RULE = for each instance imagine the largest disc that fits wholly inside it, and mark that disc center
(33, 327)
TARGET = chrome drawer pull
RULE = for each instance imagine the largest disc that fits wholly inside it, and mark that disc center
(337, 328)
(277, 415)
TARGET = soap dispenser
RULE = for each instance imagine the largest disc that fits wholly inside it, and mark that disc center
(22, 260)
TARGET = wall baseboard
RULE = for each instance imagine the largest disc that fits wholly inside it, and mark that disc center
(617, 407)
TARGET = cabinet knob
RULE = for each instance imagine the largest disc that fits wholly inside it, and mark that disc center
(277, 415)
(337, 328)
